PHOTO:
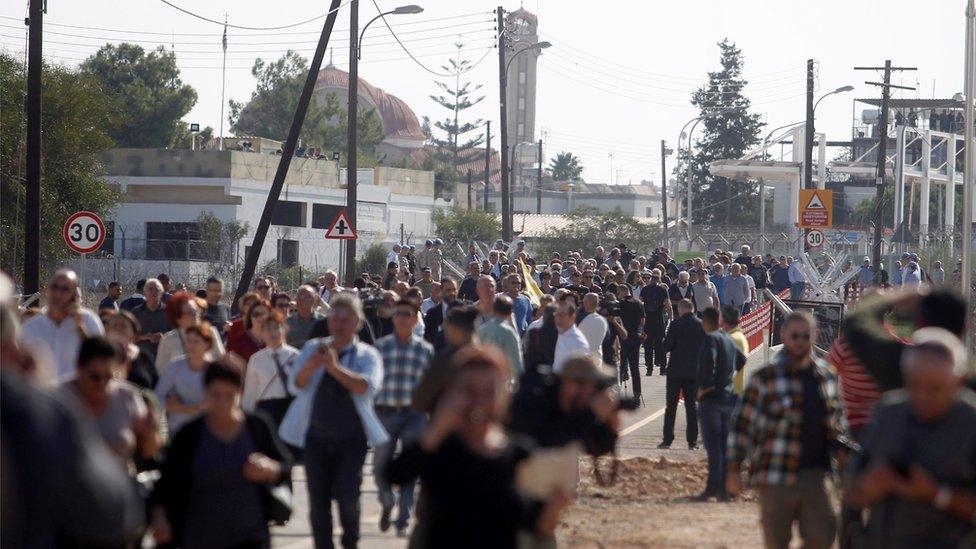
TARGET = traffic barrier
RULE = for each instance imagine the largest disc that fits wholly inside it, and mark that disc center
(753, 324)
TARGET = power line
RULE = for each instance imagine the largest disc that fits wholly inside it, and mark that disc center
(225, 24)
(408, 52)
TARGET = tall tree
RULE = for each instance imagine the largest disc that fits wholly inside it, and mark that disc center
(565, 166)
(73, 124)
(728, 131)
(269, 111)
(455, 148)
(145, 92)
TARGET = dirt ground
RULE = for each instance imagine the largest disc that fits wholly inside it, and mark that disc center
(648, 506)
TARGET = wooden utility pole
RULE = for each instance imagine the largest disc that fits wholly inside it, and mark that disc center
(882, 153)
(538, 185)
(32, 213)
(352, 111)
(507, 228)
(487, 162)
(665, 151)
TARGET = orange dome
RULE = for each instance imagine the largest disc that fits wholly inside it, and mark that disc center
(398, 119)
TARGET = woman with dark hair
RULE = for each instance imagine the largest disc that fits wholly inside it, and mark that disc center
(182, 311)
(216, 485)
(180, 387)
(123, 328)
(466, 463)
(250, 340)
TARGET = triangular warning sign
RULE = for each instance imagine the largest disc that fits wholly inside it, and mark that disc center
(815, 203)
(340, 228)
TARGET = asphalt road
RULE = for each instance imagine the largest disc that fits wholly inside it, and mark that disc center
(641, 433)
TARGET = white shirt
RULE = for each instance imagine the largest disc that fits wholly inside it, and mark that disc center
(392, 257)
(261, 381)
(59, 343)
(327, 293)
(171, 346)
(569, 343)
(594, 328)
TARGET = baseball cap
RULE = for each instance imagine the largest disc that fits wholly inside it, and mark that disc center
(438, 241)
(866, 258)
(429, 242)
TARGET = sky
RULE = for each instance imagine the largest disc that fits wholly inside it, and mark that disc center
(616, 81)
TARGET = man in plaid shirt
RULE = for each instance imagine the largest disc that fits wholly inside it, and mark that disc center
(405, 358)
(788, 425)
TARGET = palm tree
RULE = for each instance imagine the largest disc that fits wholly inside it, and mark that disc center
(565, 167)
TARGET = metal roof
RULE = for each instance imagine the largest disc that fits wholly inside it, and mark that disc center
(915, 103)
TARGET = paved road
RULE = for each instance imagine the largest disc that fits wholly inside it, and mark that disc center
(642, 432)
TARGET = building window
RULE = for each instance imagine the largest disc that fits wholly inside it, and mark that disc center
(521, 130)
(323, 214)
(289, 214)
(179, 241)
(649, 212)
(521, 103)
(287, 252)
(521, 77)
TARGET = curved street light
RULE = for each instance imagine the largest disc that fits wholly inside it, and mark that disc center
(841, 89)
(411, 9)
(537, 46)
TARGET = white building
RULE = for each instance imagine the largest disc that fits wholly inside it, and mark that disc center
(642, 201)
(164, 193)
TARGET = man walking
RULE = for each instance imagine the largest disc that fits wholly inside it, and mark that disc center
(632, 316)
(705, 294)
(111, 300)
(788, 424)
(718, 360)
(657, 312)
(405, 358)
(571, 340)
(152, 317)
(683, 342)
(737, 290)
(300, 322)
(497, 331)
(593, 326)
(798, 280)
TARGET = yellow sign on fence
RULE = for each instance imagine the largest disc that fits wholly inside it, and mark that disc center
(816, 209)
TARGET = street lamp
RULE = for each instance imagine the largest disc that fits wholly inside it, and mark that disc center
(412, 9)
(503, 65)
(841, 89)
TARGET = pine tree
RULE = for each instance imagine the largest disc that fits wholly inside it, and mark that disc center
(456, 149)
(728, 130)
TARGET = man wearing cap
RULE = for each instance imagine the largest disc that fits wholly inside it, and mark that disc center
(436, 259)
(865, 275)
(578, 405)
(424, 256)
(425, 281)
(394, 255)
(657, 312)
(519, 248)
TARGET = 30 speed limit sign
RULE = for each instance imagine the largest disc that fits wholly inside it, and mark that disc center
(84, 232)
(815, 238)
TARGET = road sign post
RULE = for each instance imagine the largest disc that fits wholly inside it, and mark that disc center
(341, 228)
(84, 233)
(814, 238)
(816, 209)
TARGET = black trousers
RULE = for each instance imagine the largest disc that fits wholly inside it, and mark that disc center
(630, 361)
(654, 346)
(674, 387)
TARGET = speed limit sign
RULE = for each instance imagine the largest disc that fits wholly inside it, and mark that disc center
(84, 232)
(815, 238)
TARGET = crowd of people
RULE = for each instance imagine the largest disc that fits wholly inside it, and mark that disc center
(181, 417)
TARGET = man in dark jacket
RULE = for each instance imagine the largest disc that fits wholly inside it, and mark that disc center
(683, 341)
(718, 361)
(436, 315)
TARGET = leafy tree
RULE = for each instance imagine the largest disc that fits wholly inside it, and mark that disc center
(219, 241)
(373, 260)
(269, 111)
(565, 167)
(146, 95)
(461, 225)
(72, 123)
(455, 148)
(728, 131)
(589, 228)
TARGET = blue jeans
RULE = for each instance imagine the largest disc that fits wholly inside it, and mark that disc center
(714, 414)
(796, 290)
(335, 472)
(406, 426)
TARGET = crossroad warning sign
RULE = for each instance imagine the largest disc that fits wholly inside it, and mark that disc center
(816, 209)
(340, 228)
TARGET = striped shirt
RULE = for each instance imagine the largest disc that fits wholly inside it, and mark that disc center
(858, 391)
(403, 366)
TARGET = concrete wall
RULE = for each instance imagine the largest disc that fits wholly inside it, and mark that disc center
(561, 202)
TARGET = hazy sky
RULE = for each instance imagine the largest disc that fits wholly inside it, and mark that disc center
(617, 79)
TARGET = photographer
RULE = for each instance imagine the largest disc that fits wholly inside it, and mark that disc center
(609, 309)
(578, 404)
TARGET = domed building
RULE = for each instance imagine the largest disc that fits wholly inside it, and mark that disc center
(400, 124)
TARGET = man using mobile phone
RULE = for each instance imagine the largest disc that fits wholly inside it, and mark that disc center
(342, 374)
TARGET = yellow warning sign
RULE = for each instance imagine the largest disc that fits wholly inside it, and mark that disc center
(816, 209)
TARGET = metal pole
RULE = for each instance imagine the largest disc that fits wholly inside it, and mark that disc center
(882, 164)
(223, 82)
(538, 185)
(969, 170)
(288, 152)
(32, 212)
(688, 179)
(503, 119)
(487, 163)
(469, 188)
(352, 108)
(808, 132)
(664, 196)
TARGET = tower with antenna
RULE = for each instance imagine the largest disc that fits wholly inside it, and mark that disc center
(522, 32)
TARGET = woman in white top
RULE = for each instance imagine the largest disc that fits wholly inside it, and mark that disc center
(180, 386)
(182, 311)
(263, 379)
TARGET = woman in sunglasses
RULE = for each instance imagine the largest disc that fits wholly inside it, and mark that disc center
(251, 339)
(182, 311)
(115, 406)
(181, 386)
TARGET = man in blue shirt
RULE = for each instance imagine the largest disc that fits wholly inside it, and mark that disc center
(522, 307)
(718, 279)
(865, 276)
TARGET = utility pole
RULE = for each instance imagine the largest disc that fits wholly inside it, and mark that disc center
(507, 228)
(287, 153)
(665, 151)
(538, 187)
(487, 163)
(223, 82)
(882, 152)
(352, 112)
(469, 188)
(32, 213)
(808, 133)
